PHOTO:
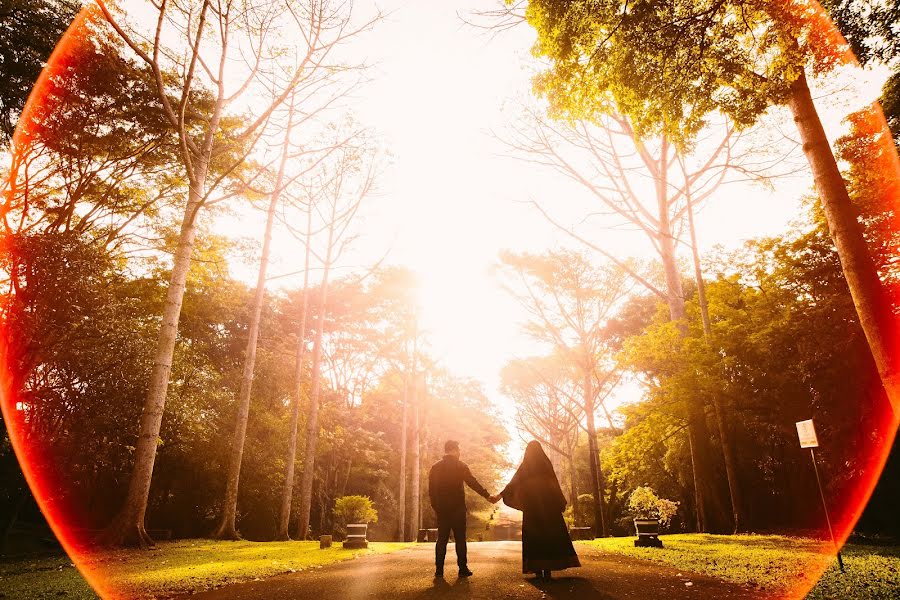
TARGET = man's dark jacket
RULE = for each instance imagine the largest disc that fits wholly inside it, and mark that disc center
(445, 486)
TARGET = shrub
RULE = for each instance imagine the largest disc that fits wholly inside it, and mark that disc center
(354, 509)
(585, 512)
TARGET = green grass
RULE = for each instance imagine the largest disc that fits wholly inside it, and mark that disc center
(171, 568)
(775, 563)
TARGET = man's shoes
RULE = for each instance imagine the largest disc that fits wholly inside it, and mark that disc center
(465, 572)
(438, 573)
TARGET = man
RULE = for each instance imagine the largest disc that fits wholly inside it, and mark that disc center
(448, 498)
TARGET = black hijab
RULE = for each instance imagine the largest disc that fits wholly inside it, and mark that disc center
(534, 486)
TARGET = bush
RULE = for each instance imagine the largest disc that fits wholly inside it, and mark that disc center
(585, 516)
(643, 503)
(354, 509)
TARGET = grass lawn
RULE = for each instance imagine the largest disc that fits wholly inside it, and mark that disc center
(775, 563)
(171, 568)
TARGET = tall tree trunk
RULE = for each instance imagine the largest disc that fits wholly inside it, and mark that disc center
(872, 303)
(734, 489)
(600, 529)
(415, 476)
(698, 502)
(127, 527)
(227, 529)
(573, 489)
(287, 492)
(709, 503)
(312, 417)
(401, 495)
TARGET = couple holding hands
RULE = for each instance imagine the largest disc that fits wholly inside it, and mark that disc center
(534, 490)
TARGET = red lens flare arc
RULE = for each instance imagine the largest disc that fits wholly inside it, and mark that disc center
(14, 414)
(30, 456)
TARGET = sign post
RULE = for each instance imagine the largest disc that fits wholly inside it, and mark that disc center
(806, 431)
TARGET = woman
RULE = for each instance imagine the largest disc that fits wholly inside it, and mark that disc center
(534, 490)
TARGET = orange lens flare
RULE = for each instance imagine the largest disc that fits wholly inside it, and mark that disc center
(34, 459)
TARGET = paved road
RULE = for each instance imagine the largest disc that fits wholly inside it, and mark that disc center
(407, 575)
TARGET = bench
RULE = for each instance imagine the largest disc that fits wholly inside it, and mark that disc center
(356, 536)
(581, 533)
(427, 535)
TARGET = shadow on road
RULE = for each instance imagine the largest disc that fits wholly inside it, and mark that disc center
(443, 588)
(562, 587)
(569, 587)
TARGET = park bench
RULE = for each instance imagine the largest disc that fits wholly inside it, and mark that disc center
(356, 536)
(648, 533)
(427, 535)
(581, 533)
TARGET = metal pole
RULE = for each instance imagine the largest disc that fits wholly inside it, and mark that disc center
(812, 453)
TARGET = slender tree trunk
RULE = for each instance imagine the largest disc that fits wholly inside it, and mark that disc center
(312, 417)
(872, 303)
(424, 457)
(573, 489)
(401, 495)
(415, 458)
(708, 501)
(287, 492)
(734, 489)
(227, 529)
(600, 528)
(127, 527)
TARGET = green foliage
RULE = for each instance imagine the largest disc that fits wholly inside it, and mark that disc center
(873, 187)
(890, 103)
(29, 30)
(788, 347)
(585, 514)
(869, 27)
(666, 65)
(92, 159)
(355, 509)
(643, 503)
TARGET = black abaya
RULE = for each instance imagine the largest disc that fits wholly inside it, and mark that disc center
(535, 490)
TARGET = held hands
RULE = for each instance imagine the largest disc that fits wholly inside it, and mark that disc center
(495, 498)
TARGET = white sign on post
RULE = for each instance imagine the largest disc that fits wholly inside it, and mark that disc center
(807, 434)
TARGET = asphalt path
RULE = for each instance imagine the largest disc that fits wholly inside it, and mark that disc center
(408, 575)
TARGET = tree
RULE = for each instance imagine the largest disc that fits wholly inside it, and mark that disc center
(29, 31)
(602, 157)
(284, 514)
(337, 191)
(209, 37)
(548, 409)
(89, 158)
(570, 301)
(785, 339)
(668, 65)
(227, 528)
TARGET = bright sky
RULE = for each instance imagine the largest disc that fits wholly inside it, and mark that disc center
(450, 201)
